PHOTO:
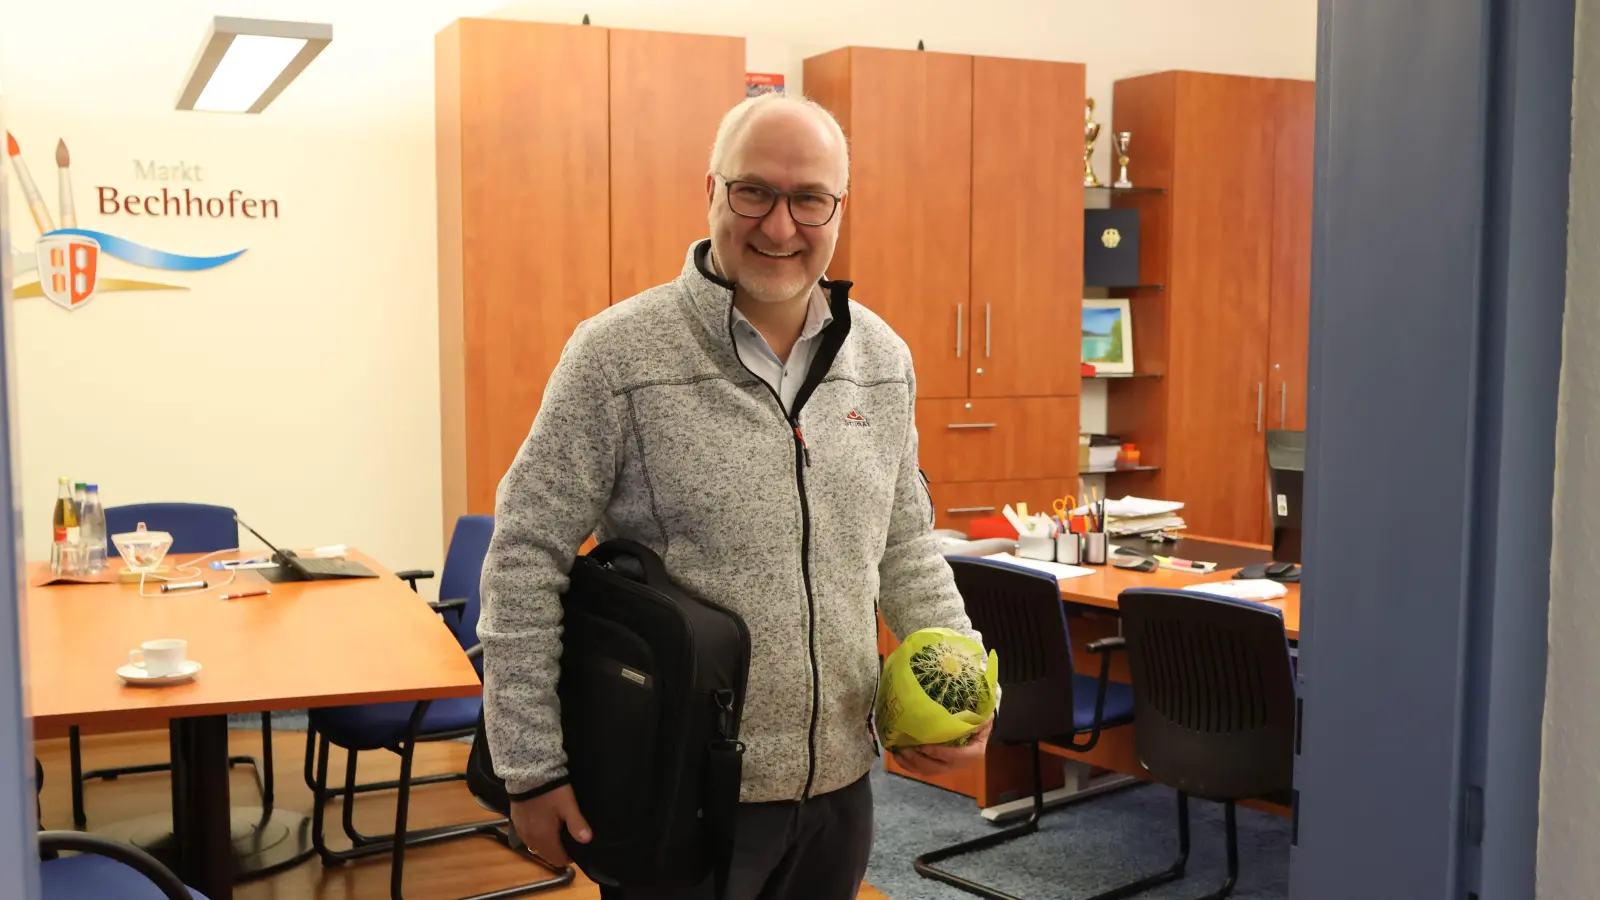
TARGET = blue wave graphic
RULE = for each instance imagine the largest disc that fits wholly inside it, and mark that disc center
(150, 258)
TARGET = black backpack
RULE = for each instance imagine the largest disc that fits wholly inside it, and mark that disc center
(652, 689)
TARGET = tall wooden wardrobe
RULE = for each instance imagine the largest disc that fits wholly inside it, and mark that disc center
(964, 230)
(571, 175)
(1230, 242)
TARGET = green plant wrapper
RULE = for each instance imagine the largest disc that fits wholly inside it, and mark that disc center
(908, 716)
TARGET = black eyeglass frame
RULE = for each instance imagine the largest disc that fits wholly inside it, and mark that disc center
(788, 197)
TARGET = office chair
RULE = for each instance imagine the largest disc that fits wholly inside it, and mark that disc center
(195, 528)
(1214, 696)
(463, 567)
(399, 727)
(104, 870)
(1044, 701)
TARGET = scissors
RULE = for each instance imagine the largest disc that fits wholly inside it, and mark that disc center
(1063, 507)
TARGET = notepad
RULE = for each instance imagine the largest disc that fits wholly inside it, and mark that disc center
(1059, 570)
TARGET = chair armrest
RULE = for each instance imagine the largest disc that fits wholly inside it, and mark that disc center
(1109, 645)
(414, 575)
(475, 652)
(130, 856)
(441, 605)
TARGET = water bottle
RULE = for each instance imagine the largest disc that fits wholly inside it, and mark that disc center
(92, 529)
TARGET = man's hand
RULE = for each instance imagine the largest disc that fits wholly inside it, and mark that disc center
(538, 821)
(938, 759)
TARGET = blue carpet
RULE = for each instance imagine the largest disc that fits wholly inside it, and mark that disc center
(1078, 851)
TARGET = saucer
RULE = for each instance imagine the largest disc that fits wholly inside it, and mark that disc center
(138, 676)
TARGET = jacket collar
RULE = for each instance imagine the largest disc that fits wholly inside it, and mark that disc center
(711, 296)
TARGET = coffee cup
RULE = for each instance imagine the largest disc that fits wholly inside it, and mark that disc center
(164, 656)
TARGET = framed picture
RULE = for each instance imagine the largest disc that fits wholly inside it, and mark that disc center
(1108, 335)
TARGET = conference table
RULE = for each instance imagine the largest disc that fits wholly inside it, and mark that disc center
(306, 644)
(1093, 601)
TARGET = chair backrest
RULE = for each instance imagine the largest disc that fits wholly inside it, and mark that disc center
(195, 527)
(463, 572)
(1213, 692)
(1021, 617)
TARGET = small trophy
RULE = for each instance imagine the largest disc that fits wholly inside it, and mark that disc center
(1091, 130)
(1122, 160)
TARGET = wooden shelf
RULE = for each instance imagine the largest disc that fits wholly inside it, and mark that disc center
(1128, 190)
(1127, 287)
(1122, 376)
(1120, 469)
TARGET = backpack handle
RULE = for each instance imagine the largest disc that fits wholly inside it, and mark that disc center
(654, 570)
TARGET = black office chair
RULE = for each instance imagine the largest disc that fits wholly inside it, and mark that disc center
(1043, 700)
(1214, 694)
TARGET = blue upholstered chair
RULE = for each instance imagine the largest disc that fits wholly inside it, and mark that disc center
(1021, 616)
(458, 605)
(104, 870)
(399, 727)
(1233, 738)
(195, 528)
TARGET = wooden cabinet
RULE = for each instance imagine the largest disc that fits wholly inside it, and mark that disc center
(957, 505)
(998, 439)
(964, 231)
(667, 95)
(522, 143)
(1230, 240)
(1027, 257)
(571, 172)
(905, 238)
(1291, 254)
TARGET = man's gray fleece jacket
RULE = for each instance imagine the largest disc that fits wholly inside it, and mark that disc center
(651, 428)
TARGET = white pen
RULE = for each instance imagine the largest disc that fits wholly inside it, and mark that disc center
(256, 593)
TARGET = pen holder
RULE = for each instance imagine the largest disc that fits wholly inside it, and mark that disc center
(1094, 548)
(1036, 546)
(1069, 548)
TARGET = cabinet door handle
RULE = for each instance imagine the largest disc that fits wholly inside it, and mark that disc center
(969, 509)
(958, 331)
(986, 314)
(1261, 402)
(973, 424)
(1283, 404)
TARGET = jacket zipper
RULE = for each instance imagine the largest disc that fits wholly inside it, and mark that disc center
(802, 460)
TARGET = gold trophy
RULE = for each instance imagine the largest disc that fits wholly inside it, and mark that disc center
(1122, 160)
(1091, 130)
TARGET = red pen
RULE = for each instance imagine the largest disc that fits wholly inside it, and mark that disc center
(256, 593)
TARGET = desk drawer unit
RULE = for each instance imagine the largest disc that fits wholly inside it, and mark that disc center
(958, 505)
(1004, 439)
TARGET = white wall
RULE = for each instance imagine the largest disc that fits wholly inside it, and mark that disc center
(1569, 802)
(299, 384)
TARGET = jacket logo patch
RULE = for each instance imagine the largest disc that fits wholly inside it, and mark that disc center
(855, 418)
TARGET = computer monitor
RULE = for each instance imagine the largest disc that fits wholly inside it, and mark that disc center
(1286, 475)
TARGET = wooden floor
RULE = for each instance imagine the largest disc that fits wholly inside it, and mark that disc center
(441, 872)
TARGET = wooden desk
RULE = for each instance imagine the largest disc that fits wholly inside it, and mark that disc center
(307, 644)
(1100, 590)
(1092, 606)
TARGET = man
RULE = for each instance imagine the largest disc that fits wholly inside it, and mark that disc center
(755, 427)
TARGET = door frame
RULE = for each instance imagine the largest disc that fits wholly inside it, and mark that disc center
(19, 843)
(1438, 292)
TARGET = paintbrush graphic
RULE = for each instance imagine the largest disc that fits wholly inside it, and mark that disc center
(69, 215)
(41, 213)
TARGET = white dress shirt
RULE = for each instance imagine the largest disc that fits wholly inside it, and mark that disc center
(758, 355)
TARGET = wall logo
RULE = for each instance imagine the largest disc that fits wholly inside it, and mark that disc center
(69, 260)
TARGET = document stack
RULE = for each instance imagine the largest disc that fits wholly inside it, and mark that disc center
(1136, 515)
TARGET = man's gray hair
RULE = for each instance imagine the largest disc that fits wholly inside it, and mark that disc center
(734, 121)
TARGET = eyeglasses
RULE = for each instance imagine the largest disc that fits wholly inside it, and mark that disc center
(754, 200)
